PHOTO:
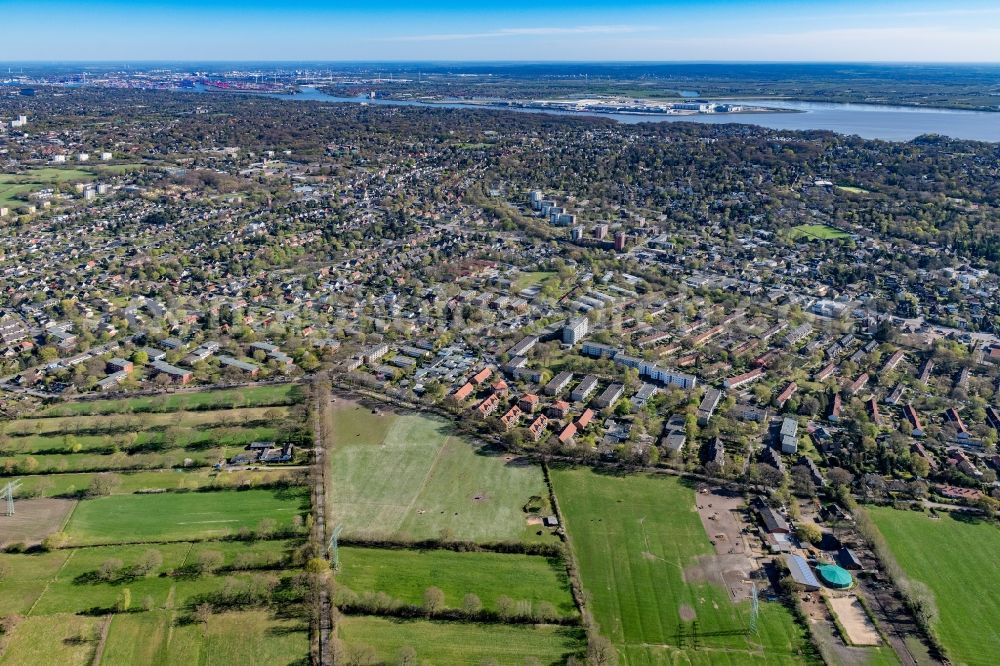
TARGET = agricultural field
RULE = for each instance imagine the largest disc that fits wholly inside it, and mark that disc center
(161, 480)
(247, 637)
(131, 422)
(136, 441)
(181, 516)
(953, 556)
(642, 553)
(405, 574)
(458, 644)
(144, 440)
(69, 580)
(177, 564)
(67, 640)
(250, 396)
(817, 232)
(406, 477)
(34, 519)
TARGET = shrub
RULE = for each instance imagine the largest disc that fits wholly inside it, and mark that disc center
(110, 569)
(209, 561)
(433, 600)
(55, 541)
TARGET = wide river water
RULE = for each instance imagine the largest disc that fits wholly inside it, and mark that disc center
(891, 123)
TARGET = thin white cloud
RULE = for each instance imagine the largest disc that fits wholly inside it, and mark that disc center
(543, 31)
(902, 43)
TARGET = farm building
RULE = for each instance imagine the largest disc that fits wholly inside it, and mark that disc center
(801, 572)
(774, 522)
(849, 559)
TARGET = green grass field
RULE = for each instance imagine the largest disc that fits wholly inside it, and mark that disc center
(954, 559)
(405, 574)
(144, 449)
(79, 425)
(817, 232)
(407, 477)
(62, 581)
(633, 538)
(457, 644)
(66, 640)
(525, 280)
(144, 440)
(83, 462)
(177, 517)
(56, 485)
(249, 637)
(15, 186)
(250, 396)
(117, 169)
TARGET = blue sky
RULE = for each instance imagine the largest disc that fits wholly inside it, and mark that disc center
(689, 30)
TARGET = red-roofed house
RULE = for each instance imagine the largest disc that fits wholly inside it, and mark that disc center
(511, 418)
(489, 405)
(786, 394)
(567, 433)
(537, 427)
(558, 410)
(464, 392)
(528, 403)
(482, 376)
(744, 379)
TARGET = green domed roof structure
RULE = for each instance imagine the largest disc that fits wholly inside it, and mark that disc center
(835, 576)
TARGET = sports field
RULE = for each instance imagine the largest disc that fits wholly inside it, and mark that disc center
(406, 477)
(457, 644)
(405, 574)
(636, 540)
(525, 280)
(180, 516)
(817, 232)
(954, 557)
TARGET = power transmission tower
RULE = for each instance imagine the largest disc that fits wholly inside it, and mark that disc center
(754, 611)
(8, 494)
(334, 551)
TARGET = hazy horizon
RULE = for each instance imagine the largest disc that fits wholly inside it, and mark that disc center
(896, 31)
(474, 61)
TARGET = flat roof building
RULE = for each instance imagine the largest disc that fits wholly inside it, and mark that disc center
(610, 396)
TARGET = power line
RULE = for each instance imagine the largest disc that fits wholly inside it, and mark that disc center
(334, 551)
(8, 494)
